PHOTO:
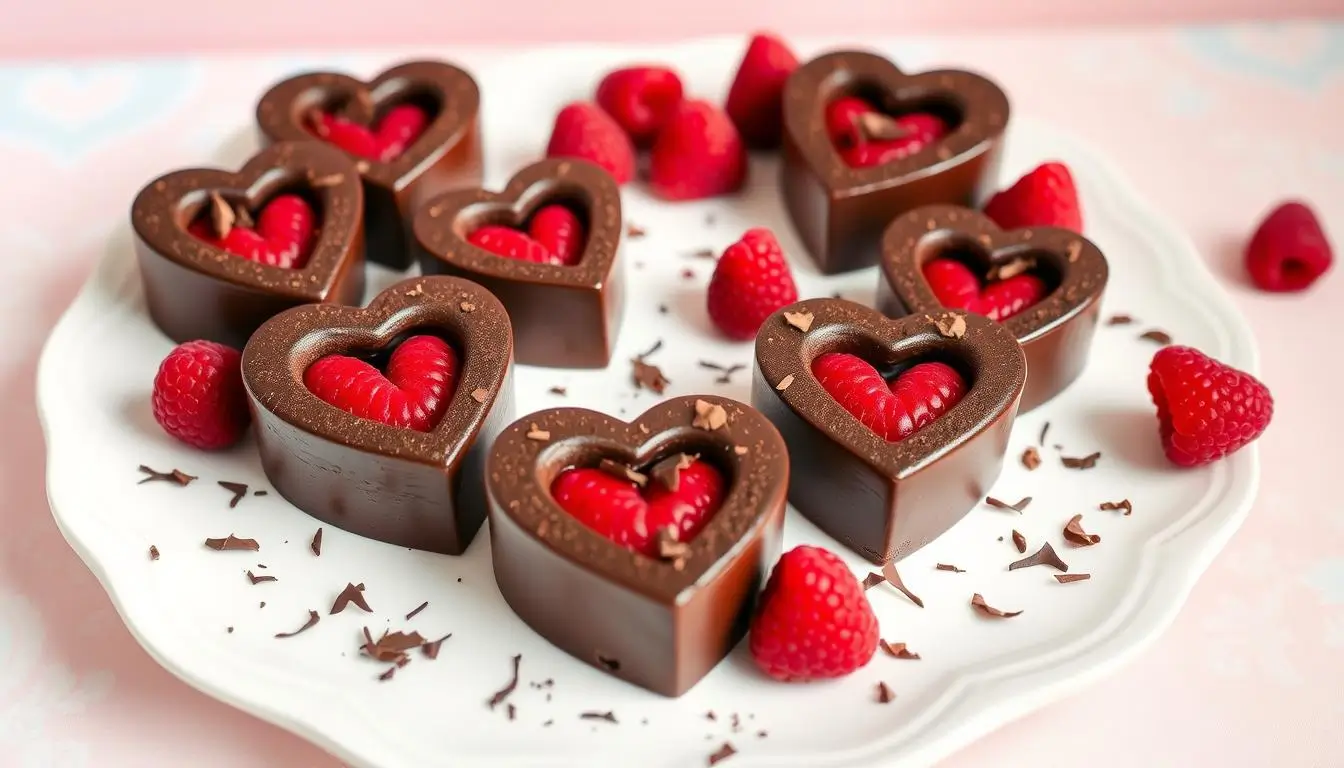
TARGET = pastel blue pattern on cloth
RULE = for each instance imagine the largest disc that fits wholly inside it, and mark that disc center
(1298, 54)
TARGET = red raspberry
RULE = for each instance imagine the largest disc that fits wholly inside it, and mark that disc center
(755, 100)
(640, 100)
(584, 131)
(956, 287)
(953, 283)
(894, 411)
(1288, 251)
(842, 121)
(560, 232)
(421, 378)
(509, 243)
(395, 133)
(1046, 197)
(750, 282)
(697, 154)
(814, 621)
(920, 129)
(619, 510)
(199, 396)
(1205, 410)
(284, 236)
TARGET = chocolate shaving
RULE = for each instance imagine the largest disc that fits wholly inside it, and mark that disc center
(608, 716)
(953, 329)
(1084, 462)
(153, 552)
(353, 593)
(1045, 430)
(416, 611)
(232, 542)
(622, 471)
(721, 754)
(897, 650)
(503, 693)
(329, 180)
(313, 618)
(1075, 534)
(392, 670)
(725, 372)
(239, 490)
(894, 579)
(221, 216)
(670, 549)
(1120, 320)
(948, 567)
(785, 383)
(392, 646)
(561, 391)
(1161, 337)
(242, 218)
(1031, 458)
(1018, 507)
(979, 604)
(1046, 555)
(709, 416)
(649, 376)
(702, 253)
(710, 716)
(1069, 578)
(259, 493)
(255, 579)
(876, 126)
(667, 472)
(634, 231)
(479, 395)
(884, 694)
(872, 580)
(1011, 269)
(800, 320)
(176, 476)
(1116, 505)
(1019, 541)
(317, 543)
(538, 434)
(1073, 251)
(431, 649)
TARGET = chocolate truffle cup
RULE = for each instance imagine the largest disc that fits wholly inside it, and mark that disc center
(839, 211)
(423, 490)
(660, 624)
(885, 500)
(196, 291)
(1055, 333)
(563, 316)
(446, 156)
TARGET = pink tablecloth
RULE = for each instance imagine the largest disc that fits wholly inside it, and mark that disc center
(1213, 124)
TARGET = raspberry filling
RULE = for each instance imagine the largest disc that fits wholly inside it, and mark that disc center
(554, 235)
(956, 286)
(283, 234)
(865, 136)
(420, 379)
(642, 516)
(387, 140)
(893, 409)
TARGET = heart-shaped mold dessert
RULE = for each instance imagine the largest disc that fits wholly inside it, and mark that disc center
(942, 390)
(865, 142)
(1044, 284)
(220, 252)
(657, 608)
(547, 245)
(413, 132)
(408, 471)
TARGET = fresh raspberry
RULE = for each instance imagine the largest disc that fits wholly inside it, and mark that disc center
(284, 236)
(199, 397)
(920, 130)
(1288, 251)
(394, 134)
(509, 243)
(421, 378)
(697, 154)
(893, 410)
(956, 287)
(1046, 197)
(814, 621)
(621, 511)
(750, 282)
(1205, 410)
(953, 283)
(584, 131)
(755, 100)
(640, 100)
(560, 232)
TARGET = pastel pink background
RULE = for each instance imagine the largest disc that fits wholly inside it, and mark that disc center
(1250, 673)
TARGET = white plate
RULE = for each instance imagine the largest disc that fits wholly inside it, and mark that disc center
(976, 674)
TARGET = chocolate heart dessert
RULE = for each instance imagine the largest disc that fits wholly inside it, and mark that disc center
(377, 419)
(1044, 284)
(640, 547)
(895, 428)
(547, 246)
(413, 132)
(220, 252)
(865, 142)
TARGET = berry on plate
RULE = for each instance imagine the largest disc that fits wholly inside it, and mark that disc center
(1289, 250)
(755, 99)
(420, 380)
(640, 100)
(750, 281)
(697, 154)
(893, 410)
(1205, 410)
(1045, 197)
(584, 131)
(199, 397)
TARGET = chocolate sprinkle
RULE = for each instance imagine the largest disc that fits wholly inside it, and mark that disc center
(979, 604)
(897, 650)
(1085, 462)
(353, 593)
(1045, 430)
(622, 471)
(709, 416)
(313, 618)
(153, 552)
(949, 567)
(1019, 541)
(561, 391)
(416, 611)
(1075, 534)
(608, 716)
(1018, 507)
(1046, 555)
(232, 542)
(1161, 337)
(725, 371)
(785, 383)
(1120, 320)
(259, 493)
(239, 490)
(317, 543)
(872, 580)
(722, 753)
(634, 231)
(884, 694)
(479, 395)
(702, 253)
(1012, 269)
(176, 476)
(1069, 578)
(1031, 458)
(392, 670)
(800, 320)
(431, 649)
(667, 472)
(255, 579)
(503, 693)
(540, 435)
(512, 711)
(1116, 505)
(670, 549)
(894, 579)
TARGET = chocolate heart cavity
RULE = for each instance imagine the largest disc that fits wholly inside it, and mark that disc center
(410, 488)
(885, 499)
(660, 623)
(1055, 332)
(840, 210)
(445, 155)
(563, 316)
(195, 290)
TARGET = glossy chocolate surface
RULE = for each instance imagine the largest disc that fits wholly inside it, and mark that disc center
(884, 500)
(563, 316)
(643, 620)
(197, 291)
(839, 211)
(1055, 333)
(422, 490)
(447, 155)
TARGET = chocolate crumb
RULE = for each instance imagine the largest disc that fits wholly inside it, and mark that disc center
(949, 567)
(229, 630)
(1046, 555)
(741, 450)
(153, 552)
(503, 693)
(1069, 578)
(239, 490)
(1074, 533)
(722, 753)
(1084, 462)
(1031, 458)
(884, 694)
(1018, 507)
(548, 724)
(540, 435)
(649, 376)
(416, 611)
(317, 543)
(313, 618)
(785, 383)
(702, 253)
(1074, 250)
(762, 734)
(1019, 541)
(877, 126)
(431, 649)
(709, 416)
(392, 646)
(479, 395)
(221, 216)
(670, 549)
(255, 579)
(1161, 337)
(979, 604)
(467, 307)
(688, 274)
(1045, 430)
(259, 493)
(622, 471)
(175, 476)
(872, 580)
(897, 650)
(1117, 505)
(894, 579)
(1120, 320)
(1011, 269)
(232, 542)
(725, 371)
(667, 472)
(561, 391)
(353, 593)
(953, 329)
(417, 290)
(512, 711)
(662, 309)
(612, 665)
(800, 320)
(608, 716)
(634, 231)
(262, 604)
(387, 675)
